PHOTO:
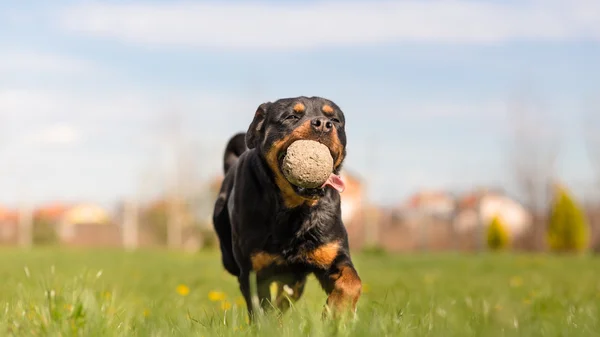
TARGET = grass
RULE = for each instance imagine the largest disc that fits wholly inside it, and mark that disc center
(111, 293)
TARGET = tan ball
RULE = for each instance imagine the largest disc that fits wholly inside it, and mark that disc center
(307, 164)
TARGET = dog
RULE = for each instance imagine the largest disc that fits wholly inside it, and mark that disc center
(279, 232)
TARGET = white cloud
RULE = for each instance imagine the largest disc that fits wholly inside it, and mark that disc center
(67, 132)
(41, 62)
(142, 115)
(119, 105)
(23, 103)
(270, 25)
(55, 134)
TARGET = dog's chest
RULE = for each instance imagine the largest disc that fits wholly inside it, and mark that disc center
(303, 255)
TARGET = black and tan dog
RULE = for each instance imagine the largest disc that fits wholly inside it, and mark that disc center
(280, 231)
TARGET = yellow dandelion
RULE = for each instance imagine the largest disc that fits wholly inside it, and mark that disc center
(273, 287)
(106, 295)
(516, 281)
(183, 290)
(366, 288)
(68, 307)
(526, 301)
(225, 305)
(498, 307)
(429, 278)
(240, 301)
(216, 296)
(146, 312)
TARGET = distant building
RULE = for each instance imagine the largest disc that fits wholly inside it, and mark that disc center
(354, 210)
(52, 213)
(481, 207)
(428, 203)
(353, 197)
(9, 225)
(88, 225)
(422, 222)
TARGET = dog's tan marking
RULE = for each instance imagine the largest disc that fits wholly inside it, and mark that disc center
(337, 148)
(324, 255)
(299, 107)
(262, 260)
(346, 288)
(327, 109)
(290, 198)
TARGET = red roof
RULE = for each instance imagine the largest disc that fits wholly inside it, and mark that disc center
(7, 215)
(423, 198)
(52, 212)
(469, 201)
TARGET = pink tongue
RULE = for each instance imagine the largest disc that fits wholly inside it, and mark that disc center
(335, 182)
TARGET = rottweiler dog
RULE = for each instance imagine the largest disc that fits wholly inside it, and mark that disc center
(277, 231)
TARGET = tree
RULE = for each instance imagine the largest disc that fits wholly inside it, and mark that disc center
(592, 137)
(497, 235)
(180, 180)
(568, 230)
(591, 126)
(533, 156)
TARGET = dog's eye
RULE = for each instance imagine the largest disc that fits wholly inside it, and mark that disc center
(335, 120)
(292, 117)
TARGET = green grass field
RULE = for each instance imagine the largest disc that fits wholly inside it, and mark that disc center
(110, 293)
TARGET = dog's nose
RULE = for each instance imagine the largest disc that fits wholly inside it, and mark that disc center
(322, 124)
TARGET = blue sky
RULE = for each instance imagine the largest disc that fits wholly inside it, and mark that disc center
(85, 87)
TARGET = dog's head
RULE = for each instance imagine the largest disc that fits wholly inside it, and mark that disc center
(278, 124)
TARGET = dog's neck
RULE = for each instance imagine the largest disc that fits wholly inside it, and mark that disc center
(292, 223)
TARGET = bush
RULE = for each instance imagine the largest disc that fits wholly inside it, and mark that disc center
(154, 222)
(44, 232)
(374, 250)
(210, 240)
(568, 230)
(497, 235)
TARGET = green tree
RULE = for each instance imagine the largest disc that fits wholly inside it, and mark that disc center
(44, 232)
(568, 230)
(497, 235)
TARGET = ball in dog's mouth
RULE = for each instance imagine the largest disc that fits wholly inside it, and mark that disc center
(308, 165)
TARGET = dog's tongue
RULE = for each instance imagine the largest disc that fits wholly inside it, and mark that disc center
(335, 182)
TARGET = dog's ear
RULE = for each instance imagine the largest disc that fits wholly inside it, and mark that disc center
(256, 130)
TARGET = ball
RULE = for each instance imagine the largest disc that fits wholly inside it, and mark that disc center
(307, 164)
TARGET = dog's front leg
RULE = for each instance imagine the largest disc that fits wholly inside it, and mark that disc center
(343, 287)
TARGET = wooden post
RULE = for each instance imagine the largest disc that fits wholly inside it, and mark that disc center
(175, 227)
(25, 225)
(130, 225)
(480, 237)
(372, 227)
(455, 244)
(424, 227)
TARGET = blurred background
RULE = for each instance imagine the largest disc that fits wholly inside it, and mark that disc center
(470, 123)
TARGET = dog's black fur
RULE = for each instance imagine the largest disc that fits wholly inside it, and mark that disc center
(280, 231)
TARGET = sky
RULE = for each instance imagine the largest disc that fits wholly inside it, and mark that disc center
(428, 88)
